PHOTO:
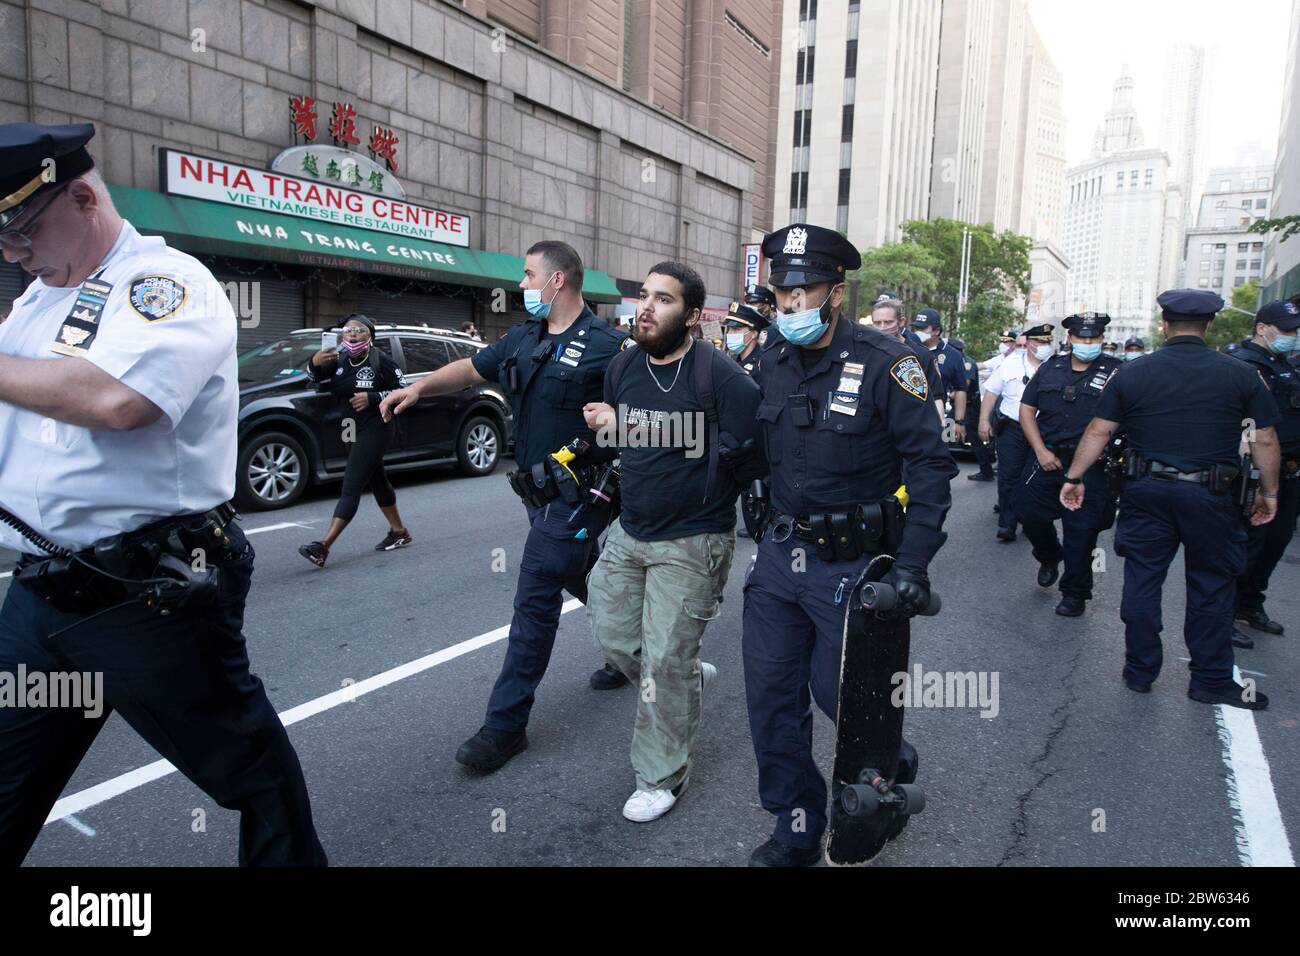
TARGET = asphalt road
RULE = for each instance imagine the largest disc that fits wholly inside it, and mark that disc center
(1072, 769)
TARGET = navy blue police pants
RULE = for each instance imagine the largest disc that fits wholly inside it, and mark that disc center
(1038, 504)
(1267, 543)
(792, 649)
(1155, 517)
(1013, 454)
(554, 561)
(183, 683)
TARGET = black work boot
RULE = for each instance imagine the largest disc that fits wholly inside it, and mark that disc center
(488, 750)
(1260, 621)
(1048, 571)
(608, 678)
(1242, 640)
(1071, 606)
(1234, 695)
(772, 853)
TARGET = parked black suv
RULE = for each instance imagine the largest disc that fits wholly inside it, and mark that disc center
(291, 436)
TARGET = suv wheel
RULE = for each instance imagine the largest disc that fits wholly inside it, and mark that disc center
(272, 472)
(479, 447)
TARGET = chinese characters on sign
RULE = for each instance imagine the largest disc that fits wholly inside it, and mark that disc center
(343, 131)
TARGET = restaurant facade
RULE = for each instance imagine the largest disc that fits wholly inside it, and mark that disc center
(393, 157)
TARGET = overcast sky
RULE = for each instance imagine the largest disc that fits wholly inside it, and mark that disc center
(1246, 45)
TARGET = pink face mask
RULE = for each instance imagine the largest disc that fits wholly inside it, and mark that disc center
(354, 348)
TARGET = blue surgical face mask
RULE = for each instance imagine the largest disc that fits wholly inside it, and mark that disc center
(1130, 356)
(735, 342)
(1086, 353)
(1043, 352)
(806, 327)
(533, 300)
(1282, 344)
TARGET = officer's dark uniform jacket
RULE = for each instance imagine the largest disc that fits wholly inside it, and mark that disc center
(844, 459)
(549, 385)
(1066, 400)
(1283, 380)
(751, 363)
(951, 366)
(1183, 405)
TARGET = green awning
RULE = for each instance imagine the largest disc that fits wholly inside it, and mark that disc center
(199, 226)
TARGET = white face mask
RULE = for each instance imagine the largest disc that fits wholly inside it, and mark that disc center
(1043, 352)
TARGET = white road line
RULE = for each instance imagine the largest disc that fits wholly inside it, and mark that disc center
(134, 779)
(79, 826)
(276, 527)
(1261, 834)
(269, 527)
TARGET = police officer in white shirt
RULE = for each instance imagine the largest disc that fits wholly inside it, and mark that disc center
(1002, 394)
(118, 405)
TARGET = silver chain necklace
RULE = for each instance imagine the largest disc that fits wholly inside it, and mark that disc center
(656, 377)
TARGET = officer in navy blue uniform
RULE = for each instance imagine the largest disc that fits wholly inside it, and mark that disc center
(844, 409)
(1055, 408)
(1268, 351)
(1185, 410)
(761, 299)
(948, 361)
(550, 365)
(742, 327)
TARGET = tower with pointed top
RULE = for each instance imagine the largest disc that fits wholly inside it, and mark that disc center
(1120, 129)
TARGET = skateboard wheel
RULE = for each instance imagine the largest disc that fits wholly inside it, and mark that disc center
(912, 798)
(934, 607)
(858, 800)
(878, 597)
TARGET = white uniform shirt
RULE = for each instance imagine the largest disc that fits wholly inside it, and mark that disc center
(1009, 380)
(175, 346)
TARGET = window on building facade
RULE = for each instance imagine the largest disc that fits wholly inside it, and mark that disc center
(1221, 204)
(1220, 247)
(1243, 246)
(1240, 280)
(851, 59)
(1241, 265)
(1259, 203)
(1205, 265)
(1255, 265)
(1206, 247)
(1217, 282)
(1245, 204)
(1257, 247)
(846, 124)
(1225, 185)
(1263, 183)
(1204, 283)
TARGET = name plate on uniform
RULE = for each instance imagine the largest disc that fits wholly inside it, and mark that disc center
(845, 397)
(571, 354)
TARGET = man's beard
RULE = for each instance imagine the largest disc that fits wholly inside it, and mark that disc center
(665, 338)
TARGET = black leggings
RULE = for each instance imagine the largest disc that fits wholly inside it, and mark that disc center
(366, 467)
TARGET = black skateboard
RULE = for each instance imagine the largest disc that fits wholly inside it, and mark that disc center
(870, 804)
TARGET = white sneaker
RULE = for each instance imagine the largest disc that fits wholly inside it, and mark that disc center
(708, 674)
(646, 805)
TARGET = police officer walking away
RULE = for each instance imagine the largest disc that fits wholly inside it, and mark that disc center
(1002, 395)
(1055, 408)
(1185, 413)
(118, 402)
(1269, 350)
(844, 408)
(551, 365)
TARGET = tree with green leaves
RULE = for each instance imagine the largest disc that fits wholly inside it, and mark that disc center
(1237, 323)
(1287, 225)
(906, 269)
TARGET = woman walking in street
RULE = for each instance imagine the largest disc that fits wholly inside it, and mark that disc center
(359, 375)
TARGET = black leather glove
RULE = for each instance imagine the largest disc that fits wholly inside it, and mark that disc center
(912, 587)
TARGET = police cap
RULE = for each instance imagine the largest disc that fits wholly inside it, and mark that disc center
(35, 158)
(760, 294)
(1008, 336)
(1134, 342)
(747, 316)
(1285, 315)
(1088, 324)
(1043, 332)
(926, 319)
(1189, 304)
(802, 254)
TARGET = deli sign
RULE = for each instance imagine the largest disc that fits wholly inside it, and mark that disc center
(185, 174)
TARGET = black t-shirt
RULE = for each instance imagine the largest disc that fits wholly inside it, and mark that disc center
(663, 487)
(376, 374)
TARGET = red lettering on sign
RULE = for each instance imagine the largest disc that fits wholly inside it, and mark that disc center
(312, 195)
(343, 124)
(354, 202)
(380, 208)
(440, 220)
(242, 181)
(302, 110)
(383, 144)
(457, 224)
(191, 168)
(291, 188)
(271, 180)
(333, 199)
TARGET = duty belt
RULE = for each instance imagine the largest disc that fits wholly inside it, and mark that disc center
(870, 528)
(1169, 473)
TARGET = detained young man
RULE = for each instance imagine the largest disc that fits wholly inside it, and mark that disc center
(660, 578)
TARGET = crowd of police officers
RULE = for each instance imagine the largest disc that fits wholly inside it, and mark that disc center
(847, 416)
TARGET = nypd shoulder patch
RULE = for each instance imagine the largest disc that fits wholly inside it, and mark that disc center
(907, 372)
(156, 297)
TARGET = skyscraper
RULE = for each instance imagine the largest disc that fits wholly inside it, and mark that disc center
(1183, 123)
